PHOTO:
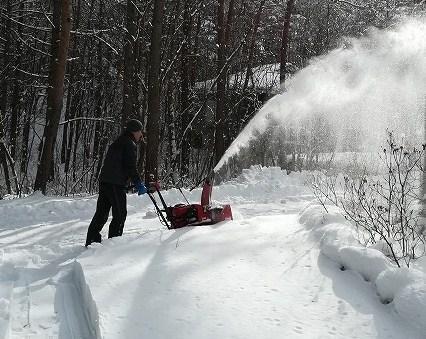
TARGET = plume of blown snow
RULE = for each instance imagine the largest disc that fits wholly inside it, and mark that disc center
(371, 84)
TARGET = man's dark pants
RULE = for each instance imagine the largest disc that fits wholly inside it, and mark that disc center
(110, 196)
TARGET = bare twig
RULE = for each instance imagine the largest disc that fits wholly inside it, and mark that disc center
(88, 119)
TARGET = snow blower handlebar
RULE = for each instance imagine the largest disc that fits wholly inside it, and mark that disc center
(153, 187)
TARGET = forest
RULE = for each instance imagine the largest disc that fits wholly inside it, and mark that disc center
(72, 72)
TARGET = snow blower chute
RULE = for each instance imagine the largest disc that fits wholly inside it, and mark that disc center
(182, 215)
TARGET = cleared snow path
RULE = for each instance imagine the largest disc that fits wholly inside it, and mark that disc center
(260, 277)
(39, 239)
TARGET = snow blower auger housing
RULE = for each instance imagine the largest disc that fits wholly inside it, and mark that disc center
(182, 215)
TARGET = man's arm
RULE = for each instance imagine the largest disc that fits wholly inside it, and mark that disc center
(129, 162)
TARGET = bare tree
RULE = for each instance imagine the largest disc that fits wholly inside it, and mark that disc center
(112, 66)
(253, 44)
(224, 22)
(153, 123)
(185, 84)
(129, 63)
(60, 40)
(285, 41)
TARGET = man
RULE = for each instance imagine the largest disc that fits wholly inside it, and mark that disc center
(119, 166)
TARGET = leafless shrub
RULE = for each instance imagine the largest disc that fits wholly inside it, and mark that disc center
(383, 207)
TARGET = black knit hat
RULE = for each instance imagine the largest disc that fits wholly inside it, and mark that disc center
(134, 125)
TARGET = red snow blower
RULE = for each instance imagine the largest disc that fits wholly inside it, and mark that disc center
(182, 215)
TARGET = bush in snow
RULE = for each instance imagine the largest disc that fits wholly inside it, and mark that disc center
(384, 208)
(404, 288)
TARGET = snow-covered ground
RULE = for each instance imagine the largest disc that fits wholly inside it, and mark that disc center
(273, 272)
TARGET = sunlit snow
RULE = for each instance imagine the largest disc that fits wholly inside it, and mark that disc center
(273, 272)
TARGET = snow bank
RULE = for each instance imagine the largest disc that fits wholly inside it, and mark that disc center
(263, 184)
(410, 303)
(40, 209)
(331, 228)
(257, 184)
(6, 288)
(366, 261)
(90, 308)
(395, 279)
(404, 288)
(8, 276)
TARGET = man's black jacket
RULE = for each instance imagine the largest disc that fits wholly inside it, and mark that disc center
(120, 162)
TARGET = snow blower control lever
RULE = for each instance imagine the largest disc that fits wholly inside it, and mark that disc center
(182, 215)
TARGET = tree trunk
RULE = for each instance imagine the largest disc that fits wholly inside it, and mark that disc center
(4, 96)
(194, 63)
(219, 144)
(185, 89)
(3, 161)
(424, 160)
(98, 97)
(6, 60)
(253, 44)
(17, 94)
(229, 18)
(129, 64)
(153, 123)
(223, 37)
(73, 70)
(60, 40)
(25, 141)
(12, 167)
(14, 120)
(285, 42)
(30, 113)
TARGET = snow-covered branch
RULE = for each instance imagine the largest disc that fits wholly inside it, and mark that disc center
(109, 120)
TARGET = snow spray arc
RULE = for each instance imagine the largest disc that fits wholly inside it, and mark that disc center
(371, 84)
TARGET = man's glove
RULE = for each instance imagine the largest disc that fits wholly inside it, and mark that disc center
(140, 187)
